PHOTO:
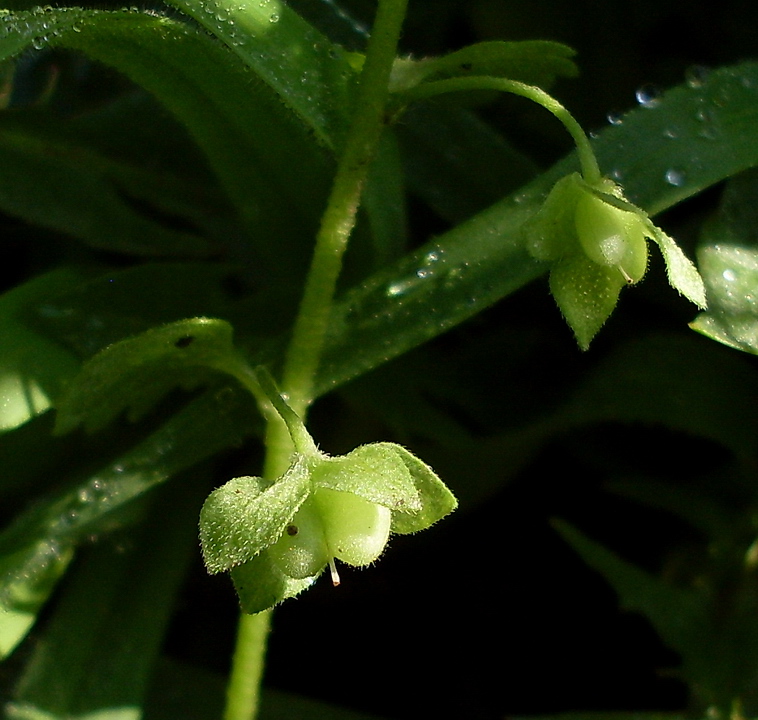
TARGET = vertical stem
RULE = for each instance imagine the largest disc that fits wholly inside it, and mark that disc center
(243, 691)
(306, 343)
(339, 218)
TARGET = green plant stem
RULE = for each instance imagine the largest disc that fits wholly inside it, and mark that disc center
(338, 220)
(304, 352)
(248, 663)
(587, 160)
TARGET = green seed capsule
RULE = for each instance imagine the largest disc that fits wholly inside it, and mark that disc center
(356, 530)
(302, 551)
(611, 236)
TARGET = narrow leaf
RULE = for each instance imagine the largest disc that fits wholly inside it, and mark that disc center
(33, 367)
(95, 656)
(38, 545)
(308, 72)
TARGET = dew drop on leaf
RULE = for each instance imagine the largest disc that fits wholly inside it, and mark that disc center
(648, 96)
(615, 118)
(676, 177)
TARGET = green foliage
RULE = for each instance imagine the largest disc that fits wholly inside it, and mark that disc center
(163, 220)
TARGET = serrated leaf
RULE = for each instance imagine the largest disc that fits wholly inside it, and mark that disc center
(243, 517)
(135, 373)
(681, 616)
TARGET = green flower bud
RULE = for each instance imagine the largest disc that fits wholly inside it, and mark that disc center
(355, 529)
(596, 242)
(611, 236)
(302, 550)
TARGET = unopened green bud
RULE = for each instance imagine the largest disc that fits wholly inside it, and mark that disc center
(611, 236)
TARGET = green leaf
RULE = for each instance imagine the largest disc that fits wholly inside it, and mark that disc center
(646, 381)
(711, 624)
(50, 177)
(728, 257)
(244, 517)
(37, 546)
(111, 306)
(680, 615)
(27, 577)
(33, 367)
(265, 158)
(95, 656)
(308, 72)
(135, 373)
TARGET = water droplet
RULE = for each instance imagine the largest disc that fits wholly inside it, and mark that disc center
(648, 96)
(617, 175)
(38, 43)
(729, 275)
(615, 118)
(400, 287)
(706, 117)
(696, 75)
(432, 256)
(274, 18)
(671, 133)
(676, 177)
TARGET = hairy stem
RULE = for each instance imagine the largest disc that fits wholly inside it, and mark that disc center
(304, 351)
(338, 220)
(590, 169)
